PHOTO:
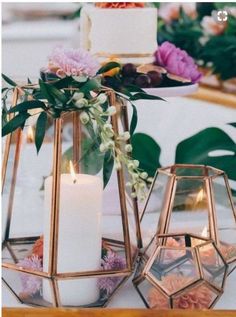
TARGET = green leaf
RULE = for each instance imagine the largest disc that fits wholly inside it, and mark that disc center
(40, 130)
(108, 164)
(199, 149)
(233, 124)
(15, 123)
(27, 105)
(92, 84)
(147, 152)
(8, 80)
(108, 67)
(91, 161)
(46, 92)
(143, 95)
(52, 93)
(134, 120)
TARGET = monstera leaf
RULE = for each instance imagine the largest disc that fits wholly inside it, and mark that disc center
(204, 148)
(147, 151)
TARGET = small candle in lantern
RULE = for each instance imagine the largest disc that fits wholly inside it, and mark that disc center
(79, 235)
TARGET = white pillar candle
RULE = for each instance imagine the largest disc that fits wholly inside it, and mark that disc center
(79, 236)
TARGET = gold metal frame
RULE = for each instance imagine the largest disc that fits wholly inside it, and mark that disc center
(207, 179)
(160, 240)
(52, 275)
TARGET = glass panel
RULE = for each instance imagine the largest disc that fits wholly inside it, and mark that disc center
(154, 206)
(87, 292)
(189, 171)
(27, 209)
(213, 267)
(153, 296)
(197, 297)
(28, 287)
(226, 220)
(174, 268)
(190, 208)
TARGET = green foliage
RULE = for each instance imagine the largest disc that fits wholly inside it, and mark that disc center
(107, 67)
(221, 52)
(91, 161)
(27, 105)
(40, 130)
(107, 167)
(15, 123)
(147, 152)
(134, 120)
(184, 33)
(8, 80)
(199, 149)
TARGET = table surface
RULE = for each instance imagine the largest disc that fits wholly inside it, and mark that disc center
(114, 313)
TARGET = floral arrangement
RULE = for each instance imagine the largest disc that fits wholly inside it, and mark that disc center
(72, 81)
(31, 285)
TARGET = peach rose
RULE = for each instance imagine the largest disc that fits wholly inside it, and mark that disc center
(170, 11)
(211, 27)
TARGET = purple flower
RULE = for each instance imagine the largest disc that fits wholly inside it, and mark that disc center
(72, 62)
(177, 62)
(31, 284)
(112, 261)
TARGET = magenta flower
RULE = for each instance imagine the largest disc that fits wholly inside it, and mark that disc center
(72, 62)
(112, 261)
(177, 62)
(31, 284)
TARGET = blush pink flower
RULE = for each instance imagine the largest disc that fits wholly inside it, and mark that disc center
(31, 284)
(177, 62)
(171, 11)
(112, 261)
(210, 26)
(72, 62)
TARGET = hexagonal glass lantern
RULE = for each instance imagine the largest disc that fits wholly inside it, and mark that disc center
(195, 199)
(61, 246)
(181, 271)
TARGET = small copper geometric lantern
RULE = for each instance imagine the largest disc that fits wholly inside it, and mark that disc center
(180, 271)
(194, 199)
(38, 265)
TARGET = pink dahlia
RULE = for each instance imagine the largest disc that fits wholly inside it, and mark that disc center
(112, 261)
(177, 62)
(72, 62)
(31, 284)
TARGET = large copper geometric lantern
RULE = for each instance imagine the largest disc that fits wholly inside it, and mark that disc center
(195, 199)
(40, 268)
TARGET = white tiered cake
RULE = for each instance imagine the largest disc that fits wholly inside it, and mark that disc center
(128, 34)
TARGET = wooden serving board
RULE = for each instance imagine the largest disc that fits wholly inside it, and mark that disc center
(59, 312)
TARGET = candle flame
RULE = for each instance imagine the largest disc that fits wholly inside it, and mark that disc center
(30, 135)
(200, 196)
(204, 232)
(72, 172)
